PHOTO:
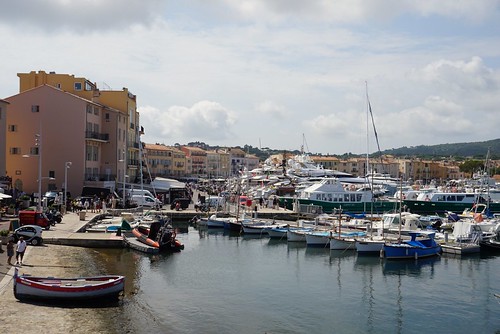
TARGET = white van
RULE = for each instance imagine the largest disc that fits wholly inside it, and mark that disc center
(215, 202)
(132, 192)
(146, 201)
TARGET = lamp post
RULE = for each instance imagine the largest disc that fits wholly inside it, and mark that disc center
(67, 165)
(124, 160)
(38, 143)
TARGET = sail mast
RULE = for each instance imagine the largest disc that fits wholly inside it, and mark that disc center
(368, 108)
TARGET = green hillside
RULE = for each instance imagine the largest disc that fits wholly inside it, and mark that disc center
(475, 149)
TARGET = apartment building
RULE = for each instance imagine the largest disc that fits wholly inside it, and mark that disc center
(196, 159)
(218, 163)
(46, 128)
(3, 137)
(124, 125)
(165, 161)
(102, 142)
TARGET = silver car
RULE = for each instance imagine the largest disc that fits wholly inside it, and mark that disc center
(31, 234)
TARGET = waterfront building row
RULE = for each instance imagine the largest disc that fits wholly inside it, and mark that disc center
(67, 133)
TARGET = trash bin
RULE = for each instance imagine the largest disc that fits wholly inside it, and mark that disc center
(82, 215)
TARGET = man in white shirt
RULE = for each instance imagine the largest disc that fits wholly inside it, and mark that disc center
(21, 248)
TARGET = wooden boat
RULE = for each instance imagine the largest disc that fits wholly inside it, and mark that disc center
(413, 248)
(297, 234)
(68, 289)
(260, 226)
(158, 235)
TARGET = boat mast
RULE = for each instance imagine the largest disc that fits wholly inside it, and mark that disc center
(486, 175)
(370, 182)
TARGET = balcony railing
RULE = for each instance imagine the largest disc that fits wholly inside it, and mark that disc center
(96, 135)
(133, 145)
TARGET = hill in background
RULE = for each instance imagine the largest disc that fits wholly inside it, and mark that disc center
(476, 149)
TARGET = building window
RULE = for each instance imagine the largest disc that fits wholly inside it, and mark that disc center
(78, 86)
(88, 86)
(52, 174)
(35, 108)
(88, 153)
(15, 150)
(106, 117)
(34, 150)
(89, 109)
(12, 128)
(96, 111)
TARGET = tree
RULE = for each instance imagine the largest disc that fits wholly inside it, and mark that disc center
(471, 166)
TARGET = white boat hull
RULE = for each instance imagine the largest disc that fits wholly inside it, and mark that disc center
(342, 243)
(369, 246)
(318, 239)
(296, 236)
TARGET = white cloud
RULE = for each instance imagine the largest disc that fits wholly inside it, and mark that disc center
(204, 121)
(247, 72)
(270, 108)
(80, 16)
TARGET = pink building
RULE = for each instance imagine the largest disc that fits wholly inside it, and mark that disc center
(59, 127)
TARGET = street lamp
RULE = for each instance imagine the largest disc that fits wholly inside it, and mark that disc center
(124, 160)
(67, 165)
(38, 144)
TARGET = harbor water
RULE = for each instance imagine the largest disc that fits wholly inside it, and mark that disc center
(229, 283)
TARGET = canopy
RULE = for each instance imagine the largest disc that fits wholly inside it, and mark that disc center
(4, 196)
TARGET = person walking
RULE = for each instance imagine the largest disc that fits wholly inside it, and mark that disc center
(21, 248)
(10, 251)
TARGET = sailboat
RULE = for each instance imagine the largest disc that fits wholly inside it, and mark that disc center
(370, 244)
(413, 248)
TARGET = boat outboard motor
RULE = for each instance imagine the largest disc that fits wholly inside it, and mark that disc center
(153, 230)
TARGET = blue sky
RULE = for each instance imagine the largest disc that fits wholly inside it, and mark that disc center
(270, 73)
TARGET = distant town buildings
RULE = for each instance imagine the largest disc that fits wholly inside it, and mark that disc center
(59, 118)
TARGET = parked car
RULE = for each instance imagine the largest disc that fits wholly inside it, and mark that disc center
(31, 234)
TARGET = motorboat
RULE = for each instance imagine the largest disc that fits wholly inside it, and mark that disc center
(158, 235)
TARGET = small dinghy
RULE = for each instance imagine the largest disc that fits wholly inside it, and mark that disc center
(28, 287)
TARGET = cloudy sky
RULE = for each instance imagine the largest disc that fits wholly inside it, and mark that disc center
(275, 73)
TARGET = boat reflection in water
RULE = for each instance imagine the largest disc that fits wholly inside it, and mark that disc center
(410, 267)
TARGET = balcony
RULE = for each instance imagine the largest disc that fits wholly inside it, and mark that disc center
(133, 145)
(133, 162)
(102, 137)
